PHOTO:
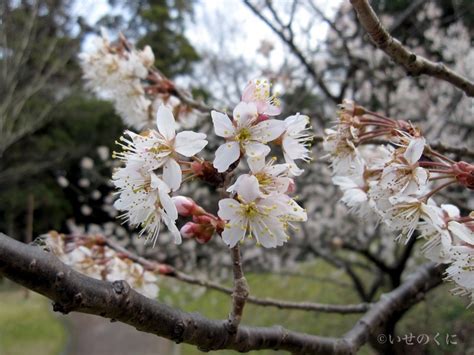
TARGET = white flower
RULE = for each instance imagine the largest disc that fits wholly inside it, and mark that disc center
(296, 140)
(272, 178)
(461, 270)
(355, 190)
(434, 229)
(404, 176)
(160, 149)
(258, 92)
(243, 134)
(404, 214)
(145, 199)
(342, 152)
(266, 218)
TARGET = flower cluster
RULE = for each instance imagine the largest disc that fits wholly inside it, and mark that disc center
(258, 202)
(260, 205)
(397, 181)
(152, 171)
(89, 255)
(126, 76)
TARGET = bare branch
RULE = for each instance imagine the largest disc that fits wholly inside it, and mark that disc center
(71, 291)
(296, 51)
(240, 293)
(265, 302)
(414, 64)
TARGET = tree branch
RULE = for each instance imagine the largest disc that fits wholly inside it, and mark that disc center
(289, 41)
(70, 291)
(42, 272)
(414, 64)
(240, 293)
(169, 271)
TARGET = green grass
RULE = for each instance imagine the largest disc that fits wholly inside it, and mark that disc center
(27, 326)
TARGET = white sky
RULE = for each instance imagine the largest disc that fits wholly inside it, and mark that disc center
(204, 31)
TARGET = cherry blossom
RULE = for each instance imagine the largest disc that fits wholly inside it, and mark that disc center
(258, 92)
(296, 141)
(263, 217)
(244, 135)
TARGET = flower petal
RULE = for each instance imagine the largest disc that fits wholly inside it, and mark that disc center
(228, 209)
(165, 122)
(249, 92)
(245, 113)
(168, 205)
(414, 150)
(226, 154)
(189, 143)
(268, 130)
(462, 232)
(234, 231)
(170, 223)
(249, 189)
(222, 124)
(172, 174)
(256, 150)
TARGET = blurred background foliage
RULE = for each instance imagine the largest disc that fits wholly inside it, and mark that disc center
(76, 122)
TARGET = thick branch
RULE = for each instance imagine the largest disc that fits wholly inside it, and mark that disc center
(414, 64)
(42, 272)
(413, 290)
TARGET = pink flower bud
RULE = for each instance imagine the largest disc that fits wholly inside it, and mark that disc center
(187, 207)
(189, 230)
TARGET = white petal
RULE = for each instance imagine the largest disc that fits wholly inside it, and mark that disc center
(228, 209)
(244, 113)
(168, 205)
(272, 110)
(170, 223)
(414, 150)
(462, 232)
(268, 130)
(226, 154)
(172, 174)
(165, 122)
(249, 189)
(157, 183)
(222, 124)
(293, 148)
(269, 232)
(293, 168)
(296, 123)
(235, 185)
(451, 210)
(256, 165)
(234, 232)
(249, 91)
(189, 143)
(256, 150)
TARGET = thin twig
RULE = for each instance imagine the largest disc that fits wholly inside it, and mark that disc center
(413, 63)
(169, 271)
